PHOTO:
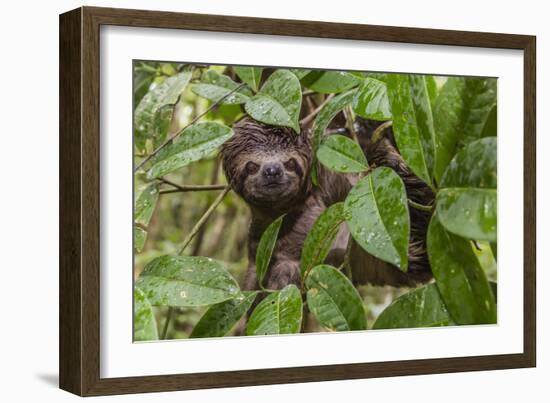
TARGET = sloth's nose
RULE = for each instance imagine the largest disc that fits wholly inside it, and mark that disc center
(272, 170)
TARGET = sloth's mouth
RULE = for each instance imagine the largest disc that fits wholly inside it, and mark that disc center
(272, 185)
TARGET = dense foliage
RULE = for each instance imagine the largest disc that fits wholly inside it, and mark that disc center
(445, 129)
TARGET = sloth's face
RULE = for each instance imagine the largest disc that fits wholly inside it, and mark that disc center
(271, 179)
(267, 166)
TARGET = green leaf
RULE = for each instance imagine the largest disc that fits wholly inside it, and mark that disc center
(494, 249)
(162, 121)
(467, 199)
(140, 235)
(459, 277)
(334, 301)
(378, 216)
(327, 113)
(145, 204)
(342, 154)
(250, 75)
(143, 211)
(278, 102)
(490, 127)
(463, 109)
(145, 325)
(215, 86)
(412, 122)
(329, 82)
(222, 317)
(431, 87)
(300, 73)
(378, 76)
(372, 100)
(166, 93)
(279, 313)
(196, 142)
(265, 248)
(186, 281)
(323, 119)
(142, 81)
(422, 307)
(321, 236)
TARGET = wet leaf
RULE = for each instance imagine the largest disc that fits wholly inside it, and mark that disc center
(145, 325)
(278, 102)
(371, 101)
(342, 154)
(412, 122)
(459, 277)
(222, 317)
(278, 313)
(378, 216)
(145, 204)
(431, 87)
(166, 93)
(494, 249)
(186, 281)
(140, 235)
(300, 73)
(464, 111)
(321, 236)
(215, 86)
(323, 119)
(329, 82)
(327, 113)
(467, 199)
(334, 301)
(196, 142)
(265, 248)
(143, 211)
(422, 307)
(250, 75)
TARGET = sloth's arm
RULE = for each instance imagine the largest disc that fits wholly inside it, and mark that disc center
(284, 271)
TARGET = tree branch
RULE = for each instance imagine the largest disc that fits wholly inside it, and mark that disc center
(379, 131)
(171, 138)
(420, 207)
(189, 188)
(203, 219)
(315, 112)
(350, 123)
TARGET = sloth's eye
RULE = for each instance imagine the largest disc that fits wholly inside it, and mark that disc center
(251, 167)
(291, 164)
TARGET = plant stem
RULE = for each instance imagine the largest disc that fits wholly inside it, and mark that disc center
(346, 264)
(166, 323)
(203, 219)
(419, 206)
(171, 138)
(315, 112)
(350, 124)
(379, 131)
(193, 188)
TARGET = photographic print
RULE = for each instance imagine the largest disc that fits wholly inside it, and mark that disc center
(272, 201)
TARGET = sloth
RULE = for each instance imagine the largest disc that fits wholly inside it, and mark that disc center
(269, 167)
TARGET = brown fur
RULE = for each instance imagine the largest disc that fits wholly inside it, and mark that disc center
(302, 203)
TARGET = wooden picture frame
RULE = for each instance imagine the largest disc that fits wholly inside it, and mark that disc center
(80, 199)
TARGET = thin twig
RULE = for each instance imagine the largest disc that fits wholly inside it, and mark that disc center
(315, 112)
(171, 138)
(166, 323)
(379, 131)
(189, 188)
(202, 220)
(193, 188)
(350, 124)
(420, 207)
